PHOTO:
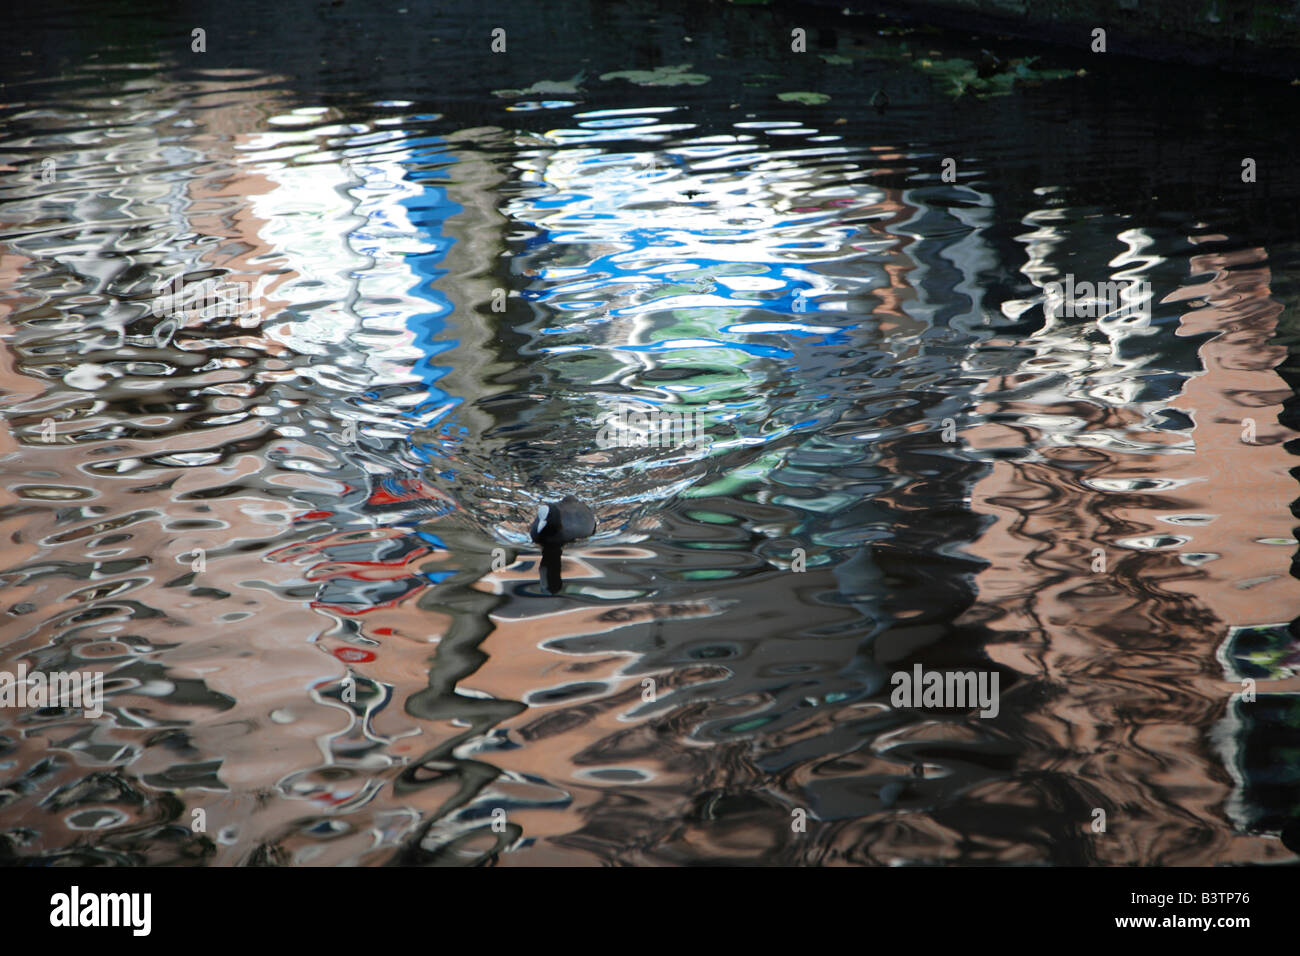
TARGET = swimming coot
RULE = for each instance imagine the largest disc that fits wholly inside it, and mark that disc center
(558, 524)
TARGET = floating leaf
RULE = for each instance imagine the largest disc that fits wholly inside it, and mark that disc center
(808, 99)
(957, 76)
(548, 87)
(663, 76)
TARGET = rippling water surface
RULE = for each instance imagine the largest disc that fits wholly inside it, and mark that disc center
(290, 531)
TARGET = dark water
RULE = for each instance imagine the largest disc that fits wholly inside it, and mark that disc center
(292, 535)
